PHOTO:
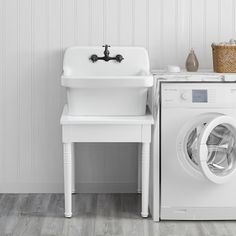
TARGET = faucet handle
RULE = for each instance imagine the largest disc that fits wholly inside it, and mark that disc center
(93, 58)
(106, 46)
(119, 58)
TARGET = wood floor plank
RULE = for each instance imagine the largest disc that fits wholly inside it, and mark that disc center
(107, 215)
(130, 217)
(231, 226)
(30, 214)
(13, 218)
(94, 215)
(54, 221)
(208, 228)
(7, 209)
(84, 211)
(222, 229)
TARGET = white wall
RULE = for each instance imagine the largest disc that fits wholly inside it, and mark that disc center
(33, 35)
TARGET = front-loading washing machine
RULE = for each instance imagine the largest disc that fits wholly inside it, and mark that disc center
(197, 136)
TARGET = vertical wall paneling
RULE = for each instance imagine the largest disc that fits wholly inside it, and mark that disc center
(211, 29)
(219, 20)
(190, 23)
(11, 105)
(184, 35)
(32, 82)
(68, 24)
(177, 31)
(40, 89)
(197, 29)
(204, 62)
(126, 22)
(90, 2)
(83, 22)
(140, 23)
(54, 106)
(133, 22)
(104, 21)
(76, 22)
(34, 35)
(2, 88)
(62, 46)
(119, 21)
(147, 25)
(97, 22)
(24, 89)
(18, 68)
(226, 20)
(169, 35)
(161, 17)
(233, 19)
(154, 32)
(112, 22)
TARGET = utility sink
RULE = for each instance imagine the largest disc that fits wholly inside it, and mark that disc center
(106, 88)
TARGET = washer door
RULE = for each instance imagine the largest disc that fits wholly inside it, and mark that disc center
(216, 152)
(209, 147)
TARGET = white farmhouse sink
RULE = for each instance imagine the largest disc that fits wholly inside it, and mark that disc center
(106, 88)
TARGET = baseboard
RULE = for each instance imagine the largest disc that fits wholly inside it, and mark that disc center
(31, 188)
(58, 188)
(106, 188)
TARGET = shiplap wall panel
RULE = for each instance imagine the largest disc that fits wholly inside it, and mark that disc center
(1, 91)
(198, 32)
(54, 90)
(154, 32)
(33, 37)
(126, 22)
(24, 57)
(140, 19)
(68, 22)
(168, 32)
(212, 26)
(12, 158)
(227, 20)
(83, 15)
(2, 88)
(40, 89)
(112, 28)
(184, 19)
(98, 16)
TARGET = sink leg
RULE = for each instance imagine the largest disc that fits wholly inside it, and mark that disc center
(139, 190)
(73, 166)
(68, 178)
(145, 178)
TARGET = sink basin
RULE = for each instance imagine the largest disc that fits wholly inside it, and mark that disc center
(106, 88)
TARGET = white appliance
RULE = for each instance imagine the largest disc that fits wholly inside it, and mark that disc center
(191, 192)
(106, 88)
(197, 150)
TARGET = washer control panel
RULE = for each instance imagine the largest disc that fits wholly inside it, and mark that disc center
(198, 94)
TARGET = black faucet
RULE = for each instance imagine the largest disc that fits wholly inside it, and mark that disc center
(106, 57)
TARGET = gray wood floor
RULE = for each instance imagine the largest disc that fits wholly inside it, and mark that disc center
(94, 214)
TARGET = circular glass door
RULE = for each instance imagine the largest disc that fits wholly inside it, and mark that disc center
(211, 148)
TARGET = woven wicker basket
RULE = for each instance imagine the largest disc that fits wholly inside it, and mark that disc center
(224, 58)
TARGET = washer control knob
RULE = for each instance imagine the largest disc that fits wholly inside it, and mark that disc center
(184, 96)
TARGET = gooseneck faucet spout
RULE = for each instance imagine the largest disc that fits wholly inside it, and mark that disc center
(106, 56)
